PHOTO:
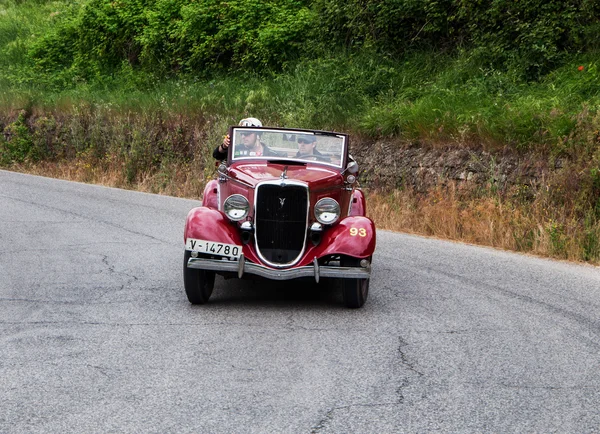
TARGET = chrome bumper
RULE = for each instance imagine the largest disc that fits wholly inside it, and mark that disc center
(315, 270)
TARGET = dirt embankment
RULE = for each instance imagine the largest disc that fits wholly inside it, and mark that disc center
(387, 166)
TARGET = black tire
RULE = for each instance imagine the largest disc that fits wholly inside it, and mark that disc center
(198, 283)
(355, 291)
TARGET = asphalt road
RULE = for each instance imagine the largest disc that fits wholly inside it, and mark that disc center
(96, 334)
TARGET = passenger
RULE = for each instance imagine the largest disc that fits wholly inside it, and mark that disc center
(252, 146)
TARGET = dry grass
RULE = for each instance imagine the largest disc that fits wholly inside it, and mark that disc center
(172, 179)
(494, 221)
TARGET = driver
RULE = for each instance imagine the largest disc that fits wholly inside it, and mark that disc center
(307, 148)
(251, 144)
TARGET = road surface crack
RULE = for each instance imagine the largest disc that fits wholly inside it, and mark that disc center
(328, 418)
(111, 270)
(100, 369)
(404, 360)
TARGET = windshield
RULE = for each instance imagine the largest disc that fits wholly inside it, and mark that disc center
(305, 146)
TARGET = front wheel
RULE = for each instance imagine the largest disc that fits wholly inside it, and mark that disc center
(198, 283)
(355, 291)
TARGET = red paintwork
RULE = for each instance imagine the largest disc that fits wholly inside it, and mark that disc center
(338, 240)
(316, 175)
(210, 196)
(359, 206)
(323, 181)
(211, 225)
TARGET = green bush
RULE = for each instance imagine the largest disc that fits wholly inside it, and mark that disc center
(177, 36)
(213, 34)
(201, 37)
(92, 40)
(392, 26)
(17, 144)
(531, 36)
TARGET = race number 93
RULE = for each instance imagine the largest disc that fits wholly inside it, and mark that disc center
(361, 232)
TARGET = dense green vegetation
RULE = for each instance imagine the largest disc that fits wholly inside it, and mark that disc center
(169, 37)
(494, 72)
(140, 84)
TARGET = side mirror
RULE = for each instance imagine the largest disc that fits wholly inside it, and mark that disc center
(352, 167)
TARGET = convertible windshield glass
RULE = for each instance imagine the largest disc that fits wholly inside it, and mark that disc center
(306, 146)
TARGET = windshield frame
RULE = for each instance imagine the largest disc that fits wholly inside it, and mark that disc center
(235, 132)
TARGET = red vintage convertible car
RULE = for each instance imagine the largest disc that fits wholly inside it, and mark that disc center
(285, 206)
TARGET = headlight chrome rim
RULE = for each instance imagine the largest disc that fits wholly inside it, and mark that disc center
(236, 207)
(327, 211)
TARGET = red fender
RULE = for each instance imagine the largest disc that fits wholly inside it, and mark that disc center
(209, 224)
(353, 236)
(359, 205)
(210, 197)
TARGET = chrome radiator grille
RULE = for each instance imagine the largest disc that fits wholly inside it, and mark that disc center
(281, 219)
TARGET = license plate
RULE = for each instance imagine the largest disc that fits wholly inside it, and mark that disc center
(213, 248)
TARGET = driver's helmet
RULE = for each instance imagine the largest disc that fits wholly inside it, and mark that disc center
(250, 122)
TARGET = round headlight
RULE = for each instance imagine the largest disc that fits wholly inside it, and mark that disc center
(327, 211)
(236, 207)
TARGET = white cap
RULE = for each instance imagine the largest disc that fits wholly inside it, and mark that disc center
(250, 122)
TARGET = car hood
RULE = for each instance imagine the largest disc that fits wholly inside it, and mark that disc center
(315, 175)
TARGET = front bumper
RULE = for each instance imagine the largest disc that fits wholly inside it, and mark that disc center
(315, 270)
